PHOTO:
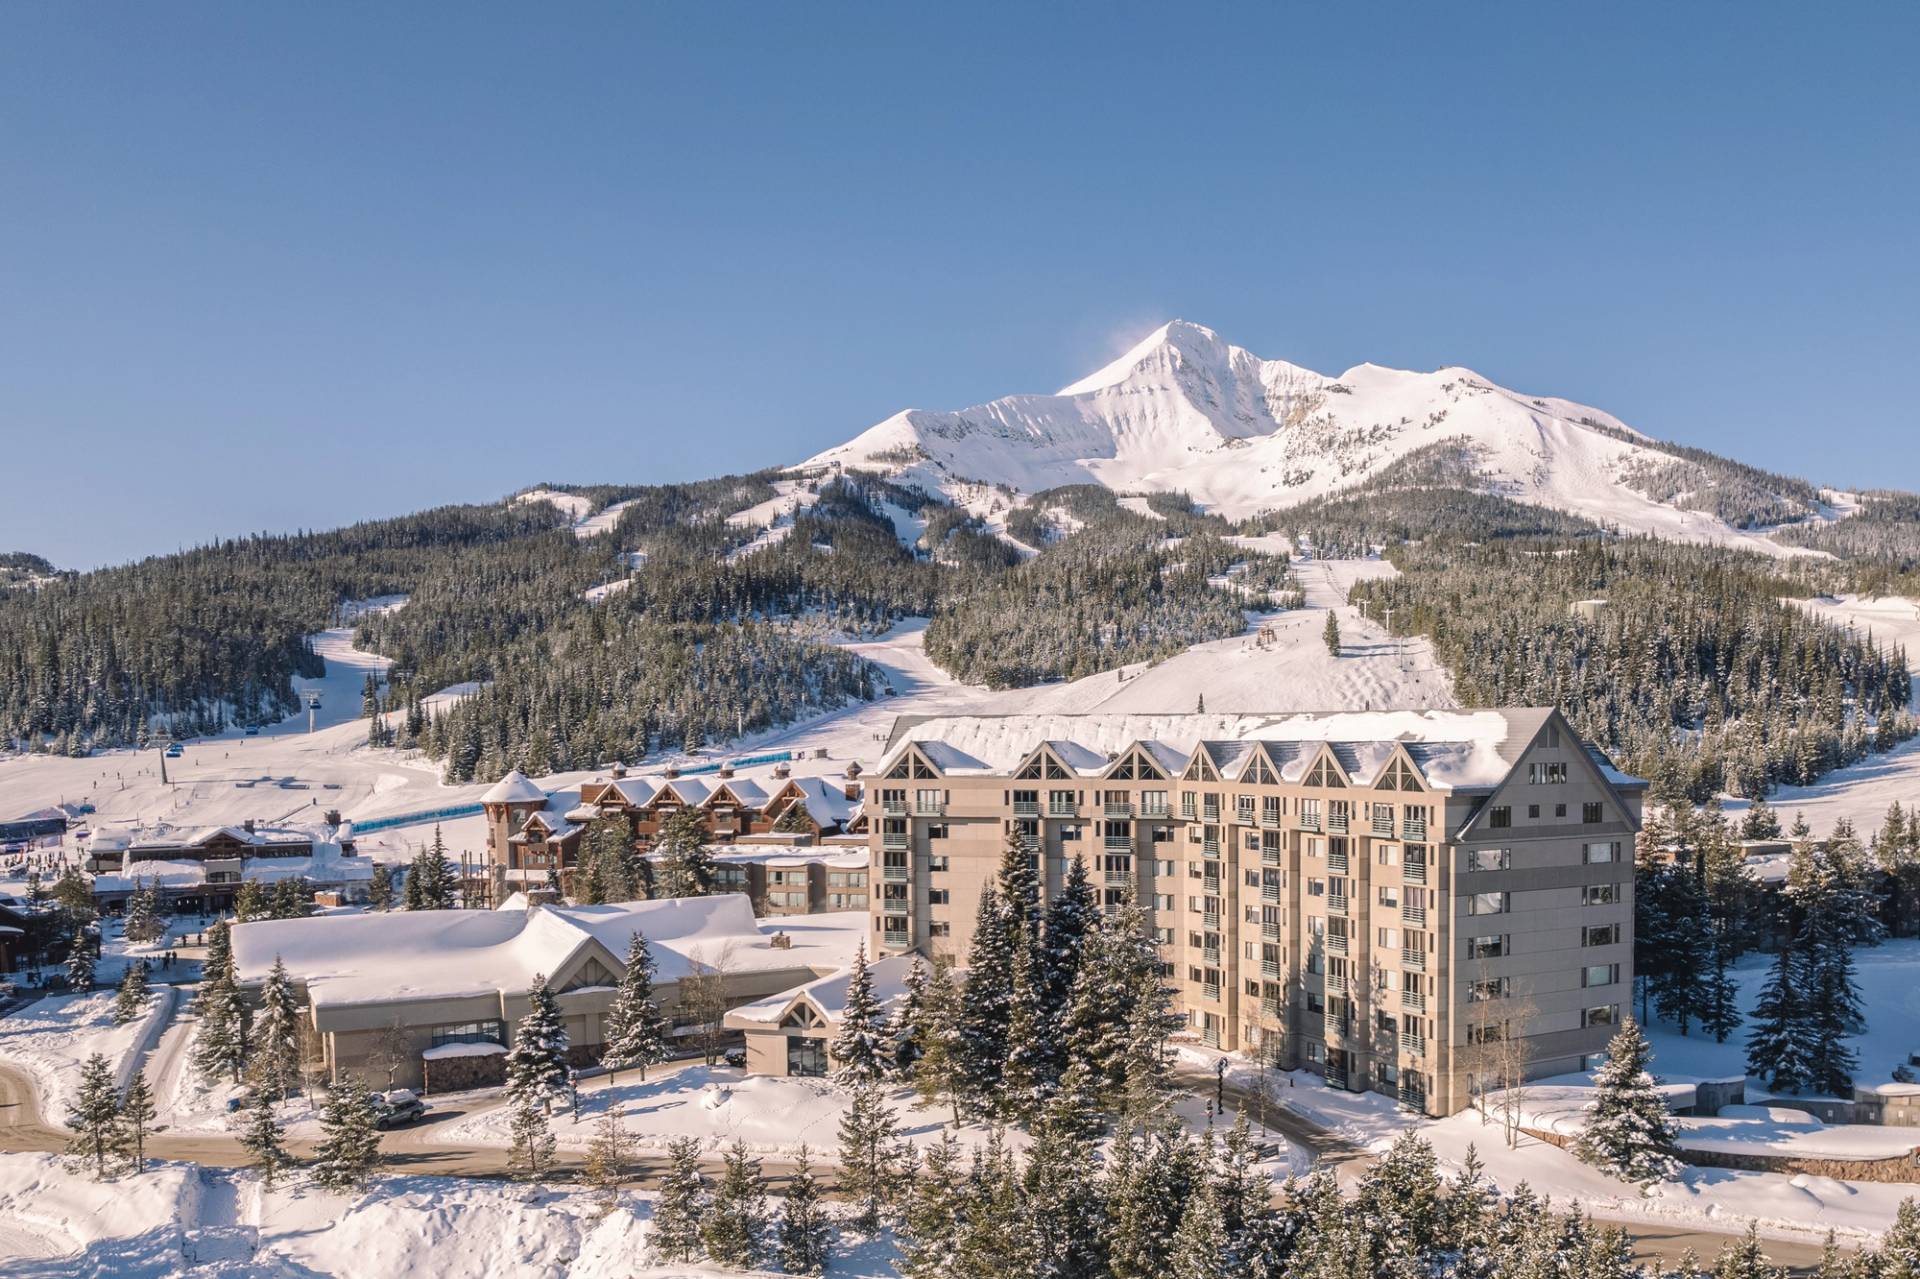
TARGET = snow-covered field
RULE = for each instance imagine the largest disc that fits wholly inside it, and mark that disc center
(52, 1038)
(179, 1220)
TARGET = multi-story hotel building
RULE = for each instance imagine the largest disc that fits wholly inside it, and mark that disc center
(1416, 902)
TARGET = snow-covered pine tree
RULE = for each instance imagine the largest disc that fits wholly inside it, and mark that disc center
(994, 1237)
(805, 1230)
(380, 888)
(530, 1141)
(1898, 1256)
(737, 1215)
(80, 964)
(143, 914)
(1777, 1044)
(1062, 1208)
(136, 1115)
(986, 1003)
(673, 1235)
(1835, 913)
(1629, 1133)
(1071, 918)
(439, 888)
(930, 1231)
(637, 1032)
(1746, 1259)
(262, 1137)
(869, 1154)
(250, 902)
(1330, 634)
(859, 1049)
(685, 863)
(349, 1146)
(1687, 948)
(1200, 1243)
(220, 1039)
(1024, 1076)
(275, 1052)
(95, 1117)
(939, 1069)
(1245, 1196)
(1149, 1176)
(537, 1062)
(131, 1000)
(1760, 821)
(1719, 995)
(903, 1028)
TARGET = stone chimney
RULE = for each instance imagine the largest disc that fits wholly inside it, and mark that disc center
(726, 771)
(783, 771)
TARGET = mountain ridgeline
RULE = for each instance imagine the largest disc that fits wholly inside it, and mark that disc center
(1045, 537)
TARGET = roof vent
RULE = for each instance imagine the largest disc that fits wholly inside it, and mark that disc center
(780, 941)
(783, 771)
(619, 771)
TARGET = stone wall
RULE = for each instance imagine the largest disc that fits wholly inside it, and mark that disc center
(1894, 1169)
(458, 1074)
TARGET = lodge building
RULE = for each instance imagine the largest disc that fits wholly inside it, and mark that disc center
(1401, 901)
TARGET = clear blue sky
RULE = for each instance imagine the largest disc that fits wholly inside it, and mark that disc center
(280, 266)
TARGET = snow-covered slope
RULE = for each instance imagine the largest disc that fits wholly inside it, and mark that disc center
(1186, 410)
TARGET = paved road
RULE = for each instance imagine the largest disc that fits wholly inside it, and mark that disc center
(416, 1150)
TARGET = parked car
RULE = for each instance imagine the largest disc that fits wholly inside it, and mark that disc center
(737, 1058)
(398, 1108)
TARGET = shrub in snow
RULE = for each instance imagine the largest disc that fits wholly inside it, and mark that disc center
(804, 1229)
(738, 1213)
(350, 1145)
(1630, 1134)
(859, 1050)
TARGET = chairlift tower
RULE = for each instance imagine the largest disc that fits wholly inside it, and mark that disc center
(313, 704)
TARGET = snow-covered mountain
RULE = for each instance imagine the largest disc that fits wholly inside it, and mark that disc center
(1186, 410)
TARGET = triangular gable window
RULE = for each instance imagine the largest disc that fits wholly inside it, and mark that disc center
(803, 1017)
(1148, 770)
(1055, 773)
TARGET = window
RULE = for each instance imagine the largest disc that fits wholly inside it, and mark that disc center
(1315, 1052)
(1162, 834)
(1387, 854)
(937, 897)
(1389, 938)
(1492, 946)
(936, 830)
(1488, 859)
(1163, 868)
(1500, 817)
(1492, 1032)
(1480, 992)
(1559, 810)
(1604, 1015)
(1601, 894)
(471, 1032)
(1163, 901)
(1590, 814)
(1546, 774)
(1600, 935)
(1487, 903)
(1600, 854)
(939, 928)
(936, 861)
(1316, 888)
(1600, 975)
(1069, 834)
(1389, 895)
(1533, 810)
(1253, 879)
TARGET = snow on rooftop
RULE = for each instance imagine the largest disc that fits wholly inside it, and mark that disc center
(514, 788)
(438, 954)
(829, 993)
(1461, 748)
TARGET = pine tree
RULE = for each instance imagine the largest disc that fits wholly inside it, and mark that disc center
(1062, 1209)
(276, 1035)
(1760, 822)
(930, 1231)
(804, 1247)
(859, 1049)
(349, 1146)
(530, 1135)
(902, 1035)
(220, 1041)
(985, 1004)
(1071, 919)
(637, 1032)
(1746, 1259)
(1025, 1075)
(537, 1063)
(95, 1118)
(143, 914)
(1776, 1046)
(607, 1158)
(1898, 1256)
(737, 1215)
(674, 1235)
(1330, 634)
(1629, 1134)
(938, 1068)
(380, 888)
(1719, 995)
(250, 902)
(869, 1156)
(1200, 1244)
(131, 1000)
(261, 1137)
(686, 866)
(136, 1114)
(80, 964)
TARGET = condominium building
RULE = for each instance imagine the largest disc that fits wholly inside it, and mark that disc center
(1421, 903)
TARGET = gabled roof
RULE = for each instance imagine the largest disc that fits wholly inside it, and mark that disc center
(826, 803)
(690, 791)
(828, 995)
(748, 794)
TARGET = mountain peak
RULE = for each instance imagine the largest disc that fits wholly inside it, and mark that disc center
(1195, 343)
